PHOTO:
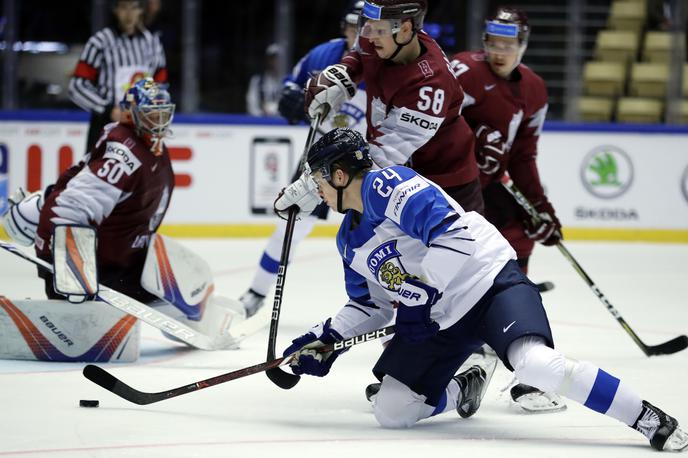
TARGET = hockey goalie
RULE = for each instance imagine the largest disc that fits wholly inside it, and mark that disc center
(97, 225)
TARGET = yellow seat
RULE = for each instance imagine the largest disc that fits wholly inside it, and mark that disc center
(595, 109)
(627, 15)
(648, 79)
(616, 45)
(684, 111)
(604, 78)
(657, 47)
(637, 109)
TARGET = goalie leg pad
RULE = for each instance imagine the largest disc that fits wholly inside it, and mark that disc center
(74, 262)
(48, 330)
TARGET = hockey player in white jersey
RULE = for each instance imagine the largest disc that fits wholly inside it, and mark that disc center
(454, 283)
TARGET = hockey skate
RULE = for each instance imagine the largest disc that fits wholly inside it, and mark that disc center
(472, 387)
(534, 400)
(252, 302)
(661, 429)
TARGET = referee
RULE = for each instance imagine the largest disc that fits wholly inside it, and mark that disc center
(112, 60)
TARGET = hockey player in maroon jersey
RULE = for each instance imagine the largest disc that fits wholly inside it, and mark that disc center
(505, 103)
(414, 101)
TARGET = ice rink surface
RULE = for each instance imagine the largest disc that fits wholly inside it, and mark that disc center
(330, 417)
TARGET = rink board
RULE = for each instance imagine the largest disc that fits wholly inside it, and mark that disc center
(609, 182)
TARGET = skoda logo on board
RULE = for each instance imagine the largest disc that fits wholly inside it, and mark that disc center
(607, 172)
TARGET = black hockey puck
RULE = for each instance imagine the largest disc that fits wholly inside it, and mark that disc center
(88, 403)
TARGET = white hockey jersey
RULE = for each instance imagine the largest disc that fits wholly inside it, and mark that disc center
(410, 226)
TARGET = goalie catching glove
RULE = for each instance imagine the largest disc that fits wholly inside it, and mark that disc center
(307, 359)
(303, 193)
(328, 90)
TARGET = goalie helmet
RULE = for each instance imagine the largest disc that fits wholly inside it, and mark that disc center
(150, 106)
(339, 149)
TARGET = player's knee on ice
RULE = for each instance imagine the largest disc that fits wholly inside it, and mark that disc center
(397, 406)
(536, 364)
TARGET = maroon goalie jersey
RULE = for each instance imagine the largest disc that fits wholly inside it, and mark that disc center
(121, 188)
(414, 113)
(517, 108)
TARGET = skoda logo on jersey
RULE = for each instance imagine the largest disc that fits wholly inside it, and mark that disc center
(607, 172)
(384, 262)
(684, 183)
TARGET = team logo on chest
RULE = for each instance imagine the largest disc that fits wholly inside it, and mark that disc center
(385, 263)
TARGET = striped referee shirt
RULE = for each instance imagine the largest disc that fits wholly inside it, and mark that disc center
(111, 62)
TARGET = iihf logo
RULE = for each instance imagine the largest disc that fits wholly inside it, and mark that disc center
(384, 262)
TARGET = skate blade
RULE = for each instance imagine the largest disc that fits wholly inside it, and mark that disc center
(538, 402)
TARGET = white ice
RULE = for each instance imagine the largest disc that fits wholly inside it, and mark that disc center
(330, 417)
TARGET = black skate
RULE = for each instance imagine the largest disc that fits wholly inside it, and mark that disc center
(661, 429)
(533, 400)
(472, 385)
(371, 391)
(545, 286)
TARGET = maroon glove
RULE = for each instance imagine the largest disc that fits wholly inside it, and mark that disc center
(490, 150)
(548, 229)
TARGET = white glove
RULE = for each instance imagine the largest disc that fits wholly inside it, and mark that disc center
(303, 193)
(21, 220)
(327, 90)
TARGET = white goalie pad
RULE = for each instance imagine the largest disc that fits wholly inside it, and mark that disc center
(74, 262)
(48, 330)
(177, 275)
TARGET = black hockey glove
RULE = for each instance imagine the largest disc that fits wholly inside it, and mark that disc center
(307, 359)
(291, 103)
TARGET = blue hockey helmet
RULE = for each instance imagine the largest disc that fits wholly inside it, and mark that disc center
(150, 105)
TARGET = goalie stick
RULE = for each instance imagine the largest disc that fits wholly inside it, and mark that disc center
(283, 379)
(103, 378)
(672, 346)
(140, 310)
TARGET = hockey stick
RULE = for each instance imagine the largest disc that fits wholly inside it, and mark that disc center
(279, 377)
(140, 310)
(103, 378)
(672, 346)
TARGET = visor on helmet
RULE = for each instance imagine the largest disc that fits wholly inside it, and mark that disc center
(371, 28)
(500, 29)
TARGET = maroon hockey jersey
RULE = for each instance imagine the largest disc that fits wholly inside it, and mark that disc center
(414, 113)
(121, 188)
(517, 108)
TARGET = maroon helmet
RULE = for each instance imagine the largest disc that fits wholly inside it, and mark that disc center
(508, 22)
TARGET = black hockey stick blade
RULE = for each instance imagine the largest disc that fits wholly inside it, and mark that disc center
(667, 348)
(283, 379)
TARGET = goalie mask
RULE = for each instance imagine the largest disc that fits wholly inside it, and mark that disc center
(151, 109)
(343, 149)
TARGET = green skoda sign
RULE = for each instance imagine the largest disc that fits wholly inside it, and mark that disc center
(607, 172)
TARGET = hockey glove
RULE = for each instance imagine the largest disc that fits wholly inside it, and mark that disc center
(291, 103)
(307, 360)
(303, 193)
(327, 90)
(490, 150)
(21, 220)
(415, 298)
(548, 229)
